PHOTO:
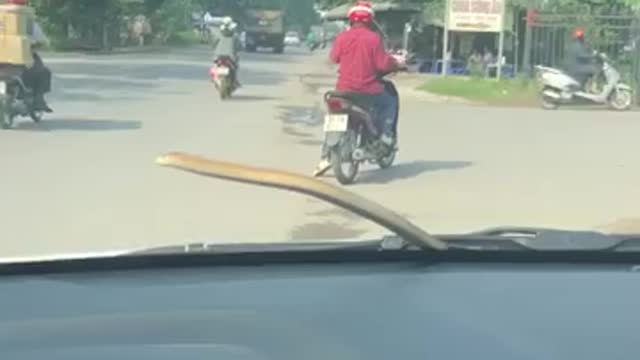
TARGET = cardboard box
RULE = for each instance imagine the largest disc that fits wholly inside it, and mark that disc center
(15, 50)
(16, 29)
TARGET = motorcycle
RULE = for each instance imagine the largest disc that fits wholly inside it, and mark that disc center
(15, 98)
(559, 88)
(313, 45)
(221, 75)
(351, 134)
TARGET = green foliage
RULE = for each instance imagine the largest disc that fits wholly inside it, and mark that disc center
(89, 18)
(171, 17)
(300, 13)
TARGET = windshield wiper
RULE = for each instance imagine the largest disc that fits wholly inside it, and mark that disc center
(289, 246)
(495, 239)
(542, 239)
(309, 186)
(409, 236)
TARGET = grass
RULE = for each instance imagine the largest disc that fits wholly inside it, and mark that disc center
(489, 91)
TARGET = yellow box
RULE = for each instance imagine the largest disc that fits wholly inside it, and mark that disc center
(16, 30)
(15, 50)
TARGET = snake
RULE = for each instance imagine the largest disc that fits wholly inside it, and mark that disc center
(306, 185)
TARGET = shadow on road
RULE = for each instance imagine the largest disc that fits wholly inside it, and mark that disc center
(300, 115)
(241, 97)
(88, 88)
(70, 96)
(249, 75)
(408, 170)
(79, 125)
(293, 132)
(309, 142)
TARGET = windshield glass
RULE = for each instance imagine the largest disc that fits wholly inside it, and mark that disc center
(525, 118)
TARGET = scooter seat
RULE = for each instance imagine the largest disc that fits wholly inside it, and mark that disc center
(362, 101)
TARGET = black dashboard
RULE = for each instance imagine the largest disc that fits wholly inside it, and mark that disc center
(399, 310)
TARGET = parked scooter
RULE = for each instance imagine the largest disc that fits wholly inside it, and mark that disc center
(15, 98)
(559, 88)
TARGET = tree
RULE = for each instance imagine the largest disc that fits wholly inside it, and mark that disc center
(88, 18)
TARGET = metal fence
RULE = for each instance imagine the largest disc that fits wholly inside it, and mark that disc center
(616, 34)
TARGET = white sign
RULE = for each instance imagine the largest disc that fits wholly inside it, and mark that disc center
(336, 122)
(476, 15)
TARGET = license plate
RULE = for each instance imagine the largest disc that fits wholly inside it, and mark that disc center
(336, 122)
(3, 88)
(223, 71)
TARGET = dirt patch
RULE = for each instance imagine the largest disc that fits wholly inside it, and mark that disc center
(325, 230)
(329, 223)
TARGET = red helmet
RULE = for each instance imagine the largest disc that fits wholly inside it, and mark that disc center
(361, 12)
(578, 33)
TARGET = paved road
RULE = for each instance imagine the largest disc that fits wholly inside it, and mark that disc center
(84, 179)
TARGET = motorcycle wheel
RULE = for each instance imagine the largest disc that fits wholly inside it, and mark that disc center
(341, 155)
(621, 100)
(546, 102)
(36, 116)
(224, 89)
(6, 118)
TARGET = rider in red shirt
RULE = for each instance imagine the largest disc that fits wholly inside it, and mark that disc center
(361, 57)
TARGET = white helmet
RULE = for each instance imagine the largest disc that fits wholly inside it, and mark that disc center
(227, 23)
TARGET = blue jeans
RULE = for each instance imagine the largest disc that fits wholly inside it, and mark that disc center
(385, 108)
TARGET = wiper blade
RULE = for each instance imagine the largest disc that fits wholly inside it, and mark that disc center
(543, 239)
(309, 186)
(310, 246)
(495, 239)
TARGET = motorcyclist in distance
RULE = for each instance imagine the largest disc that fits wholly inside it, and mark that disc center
(227, 44)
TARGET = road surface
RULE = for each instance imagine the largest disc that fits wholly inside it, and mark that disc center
(85, 180)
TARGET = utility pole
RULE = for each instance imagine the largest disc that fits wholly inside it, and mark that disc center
(445, 38)
(526, 58)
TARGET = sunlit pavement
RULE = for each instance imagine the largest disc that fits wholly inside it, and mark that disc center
(85, 180)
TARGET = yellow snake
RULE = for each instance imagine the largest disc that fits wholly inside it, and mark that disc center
(305, 185)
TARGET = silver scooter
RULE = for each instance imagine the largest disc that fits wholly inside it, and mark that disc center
(559, 88)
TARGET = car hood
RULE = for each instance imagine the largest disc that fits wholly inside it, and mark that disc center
(243, 246)
(63, 256)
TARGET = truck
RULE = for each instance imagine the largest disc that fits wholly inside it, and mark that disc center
(264, 28)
